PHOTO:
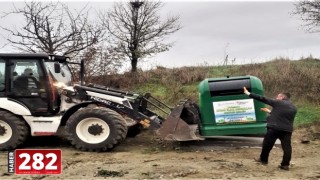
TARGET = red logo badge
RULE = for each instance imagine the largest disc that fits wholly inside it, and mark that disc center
(36, 161)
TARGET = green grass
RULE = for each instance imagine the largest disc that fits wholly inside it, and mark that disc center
(307, 114)
(155, 89)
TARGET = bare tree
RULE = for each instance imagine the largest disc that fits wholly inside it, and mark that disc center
(309, 11)
(53, 28)
(101, 61)
(136, 28)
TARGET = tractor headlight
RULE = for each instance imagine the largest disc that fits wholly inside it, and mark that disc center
(59, 84)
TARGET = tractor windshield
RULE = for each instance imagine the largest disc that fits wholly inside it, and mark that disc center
(65, 75)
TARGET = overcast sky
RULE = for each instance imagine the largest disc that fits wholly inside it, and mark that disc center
(249, 31)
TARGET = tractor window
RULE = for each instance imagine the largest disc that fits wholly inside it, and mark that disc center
(64, 76)
(28, 84)
(2, 75)
(27, 77)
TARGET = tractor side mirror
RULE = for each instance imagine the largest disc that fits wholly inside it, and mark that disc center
(57, 68)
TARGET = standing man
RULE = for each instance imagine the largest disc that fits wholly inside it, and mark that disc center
(279, 126)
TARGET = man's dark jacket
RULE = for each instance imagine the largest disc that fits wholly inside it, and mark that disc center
(282, 114)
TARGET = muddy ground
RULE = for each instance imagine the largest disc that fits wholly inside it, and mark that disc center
(146, 157)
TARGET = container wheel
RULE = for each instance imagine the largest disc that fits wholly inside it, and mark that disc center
(96, 129)
(13, 131)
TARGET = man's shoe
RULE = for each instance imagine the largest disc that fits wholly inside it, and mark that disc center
(284, 167)
(258, 160)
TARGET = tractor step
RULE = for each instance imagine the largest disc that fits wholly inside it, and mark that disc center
(43, 126)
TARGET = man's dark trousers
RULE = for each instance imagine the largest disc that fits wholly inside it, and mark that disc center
(269, 141)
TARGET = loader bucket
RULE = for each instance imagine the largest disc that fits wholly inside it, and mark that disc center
(181, 124)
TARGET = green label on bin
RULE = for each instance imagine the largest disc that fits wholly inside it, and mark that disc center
(234, 112)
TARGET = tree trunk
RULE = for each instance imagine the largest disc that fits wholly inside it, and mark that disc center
(134, 63)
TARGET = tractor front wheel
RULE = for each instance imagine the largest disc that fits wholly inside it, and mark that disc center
(96, 129)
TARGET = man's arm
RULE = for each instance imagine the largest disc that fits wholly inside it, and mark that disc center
(265, 100)
(266, 110)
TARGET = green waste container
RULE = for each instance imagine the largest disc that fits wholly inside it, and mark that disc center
(226, 110)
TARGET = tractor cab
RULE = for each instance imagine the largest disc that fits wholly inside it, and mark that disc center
(28, 79)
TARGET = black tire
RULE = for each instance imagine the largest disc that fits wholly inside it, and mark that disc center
(13, 131)
(105, 127)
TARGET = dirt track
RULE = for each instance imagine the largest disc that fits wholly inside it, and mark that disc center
(146, 157)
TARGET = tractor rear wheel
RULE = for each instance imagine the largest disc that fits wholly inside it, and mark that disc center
(96, 129)
(13, 131)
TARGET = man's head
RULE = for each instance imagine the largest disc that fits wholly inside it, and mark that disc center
(283, 96)
(28, 72)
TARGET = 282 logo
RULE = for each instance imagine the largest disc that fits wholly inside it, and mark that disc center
(35, 161)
